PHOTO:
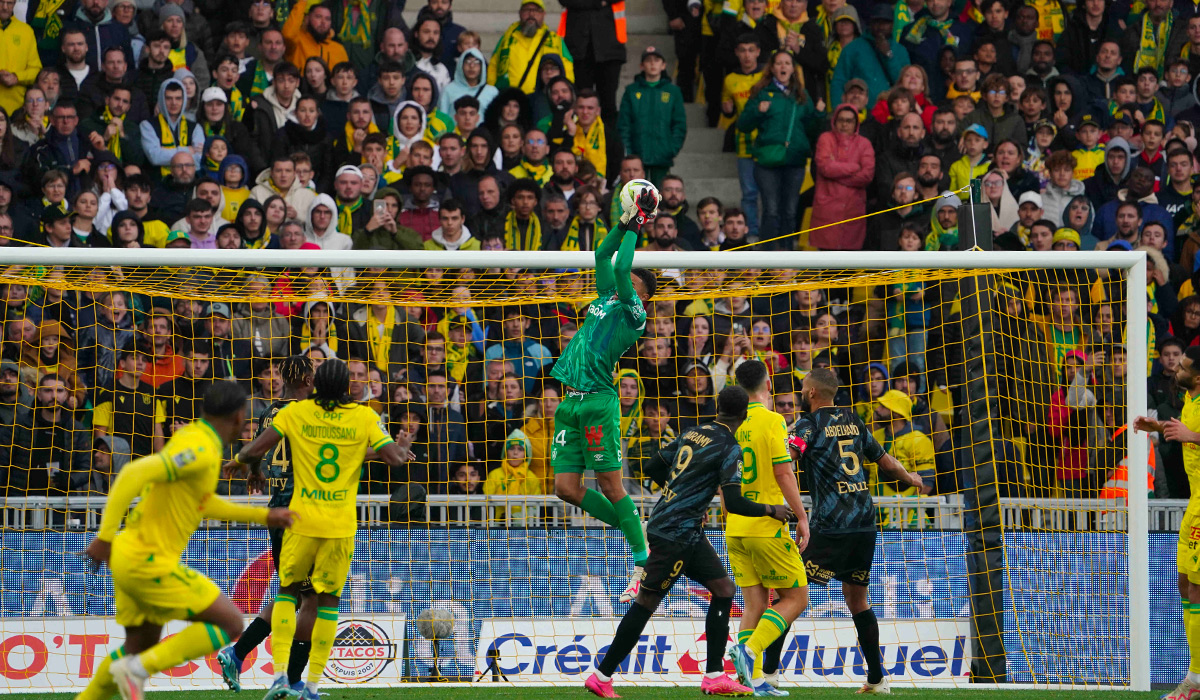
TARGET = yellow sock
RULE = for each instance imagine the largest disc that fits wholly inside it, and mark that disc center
(101, 687)
(323, 631)
(769, 628)
(193, 642)
(1192, 627)
(283, 631)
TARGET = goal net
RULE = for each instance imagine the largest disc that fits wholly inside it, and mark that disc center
(1002, 378)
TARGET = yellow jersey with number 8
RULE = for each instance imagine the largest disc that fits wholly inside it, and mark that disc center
(328, 448)
(763, 439)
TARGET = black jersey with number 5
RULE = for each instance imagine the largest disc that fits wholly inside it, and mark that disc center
(702, 460)
(835, 447)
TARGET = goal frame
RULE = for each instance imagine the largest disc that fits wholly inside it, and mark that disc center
(1133, 263)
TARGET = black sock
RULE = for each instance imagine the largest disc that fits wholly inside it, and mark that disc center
(298, 660)
(255, 633)
(716, 628)
(868, 639)
(628, 633)
(772, 653)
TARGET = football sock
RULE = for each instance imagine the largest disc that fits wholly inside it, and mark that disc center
(771, 626)
(301, 648)
(631, 526)
(258, 630)
(323, 631)
(716, 629)
(868, 640)
(771, 656)
(283, 631)
(1191, 626)
(744, 636)
(193, 642)
(628, 633)
(101, 687)
(596, 505)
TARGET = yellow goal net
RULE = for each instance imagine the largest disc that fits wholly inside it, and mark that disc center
(1006, 380)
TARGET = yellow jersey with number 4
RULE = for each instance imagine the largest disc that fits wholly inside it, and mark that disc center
(763, 439)
(328, 448)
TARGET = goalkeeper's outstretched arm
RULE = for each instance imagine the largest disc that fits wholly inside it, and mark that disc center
(623, 266)
(605, 279)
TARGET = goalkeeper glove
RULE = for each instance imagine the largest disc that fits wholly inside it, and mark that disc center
(644, 209)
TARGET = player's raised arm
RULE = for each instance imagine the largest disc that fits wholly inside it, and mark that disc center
(605, 280)
(251, 454)
(643, 210)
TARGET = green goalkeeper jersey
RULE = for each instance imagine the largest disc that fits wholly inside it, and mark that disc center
(615, 321)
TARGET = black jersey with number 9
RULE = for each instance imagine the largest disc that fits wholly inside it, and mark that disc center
(702, 460)
(835, 446)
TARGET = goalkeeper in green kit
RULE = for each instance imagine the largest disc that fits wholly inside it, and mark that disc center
(587, 432)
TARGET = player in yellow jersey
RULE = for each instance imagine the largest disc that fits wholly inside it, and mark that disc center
(762, 554)
(150, 585)
(1186, 430)
(330, 437)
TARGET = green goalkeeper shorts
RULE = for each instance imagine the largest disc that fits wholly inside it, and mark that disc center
(587, 434)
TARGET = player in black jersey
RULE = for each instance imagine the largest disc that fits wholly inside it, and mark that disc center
(831, 445)
(297, 373)
(692, 469)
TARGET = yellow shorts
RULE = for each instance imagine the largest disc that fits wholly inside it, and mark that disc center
(149, 591)
(770, 562)
(327, 557)
(1187, 554)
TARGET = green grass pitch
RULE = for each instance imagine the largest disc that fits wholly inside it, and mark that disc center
(483, 692)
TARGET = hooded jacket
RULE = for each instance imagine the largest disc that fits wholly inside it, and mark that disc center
(272, 114)
(459, 87)
(505, 480)
(298, 196)
(845, 165)
(437, 241)
(330, 238)
(1055, 199)
(859, 59)
(383, 108)
(437, 122)
(161, 135)
(941, 238)
(1103, 186)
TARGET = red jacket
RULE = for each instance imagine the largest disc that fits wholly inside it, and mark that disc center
(845, 167)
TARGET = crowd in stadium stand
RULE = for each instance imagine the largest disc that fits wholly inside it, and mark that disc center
(334, 125)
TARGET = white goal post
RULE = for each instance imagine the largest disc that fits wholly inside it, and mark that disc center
(1132, 263)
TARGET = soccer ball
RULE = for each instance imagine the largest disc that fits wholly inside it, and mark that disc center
(634, 189)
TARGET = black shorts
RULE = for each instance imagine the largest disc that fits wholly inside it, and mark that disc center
(670, 559)
(846, 557)
(276, 548)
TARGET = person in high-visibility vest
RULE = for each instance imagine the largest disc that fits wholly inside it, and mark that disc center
(1117, 486)
(595, 35)
(1186, 430)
